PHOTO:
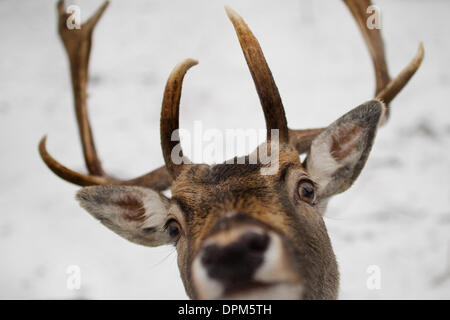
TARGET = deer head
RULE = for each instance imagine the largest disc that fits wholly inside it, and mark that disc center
(238, 233)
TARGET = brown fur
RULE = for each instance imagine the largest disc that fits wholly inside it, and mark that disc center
(205, 194)
(133, 209)
(345, 141)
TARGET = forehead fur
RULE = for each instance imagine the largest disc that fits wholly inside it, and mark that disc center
(205, 193)
(228, 175)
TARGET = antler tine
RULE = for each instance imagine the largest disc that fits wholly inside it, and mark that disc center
(385, 90)
(158, 179)
(64, 172)
(170, 116)
(396, 85)
(92, 21)
(77, 43)
(262, 77)
(373, 40)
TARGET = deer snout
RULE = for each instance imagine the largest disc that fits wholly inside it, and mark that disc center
(235, 262)
(242, 261)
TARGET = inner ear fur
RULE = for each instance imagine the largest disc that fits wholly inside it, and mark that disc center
(339, 153)
(135, 213)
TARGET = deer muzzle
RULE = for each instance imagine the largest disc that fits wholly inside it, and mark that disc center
(244, 261)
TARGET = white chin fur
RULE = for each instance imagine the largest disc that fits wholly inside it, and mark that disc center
(207, 288)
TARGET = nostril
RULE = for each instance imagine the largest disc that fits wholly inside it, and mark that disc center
(238, 260)
(256, 242)
(218, 255)
(207, 258)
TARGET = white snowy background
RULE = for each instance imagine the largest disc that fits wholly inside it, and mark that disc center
(396, 216)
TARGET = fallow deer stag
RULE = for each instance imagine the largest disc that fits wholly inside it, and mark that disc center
(238, 233)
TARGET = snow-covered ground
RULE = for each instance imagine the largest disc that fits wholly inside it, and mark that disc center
(396, 216)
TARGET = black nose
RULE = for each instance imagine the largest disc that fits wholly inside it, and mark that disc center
(237, 261)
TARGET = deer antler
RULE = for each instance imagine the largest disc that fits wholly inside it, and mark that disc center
(390, 91)
(262, 77)
(170, 114)
(385, 90)
(78, 46)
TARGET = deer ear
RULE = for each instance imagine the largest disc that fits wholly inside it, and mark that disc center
(339, 153)
(136, 214)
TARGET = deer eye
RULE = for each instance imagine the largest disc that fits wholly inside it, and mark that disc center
(173, 228)
(306, 191)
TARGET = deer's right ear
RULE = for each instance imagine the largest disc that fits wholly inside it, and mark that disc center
(136, 214)
(339, 153)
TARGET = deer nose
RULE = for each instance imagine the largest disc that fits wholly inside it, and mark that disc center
(236, 261)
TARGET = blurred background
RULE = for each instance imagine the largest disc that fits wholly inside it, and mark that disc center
(396, 216)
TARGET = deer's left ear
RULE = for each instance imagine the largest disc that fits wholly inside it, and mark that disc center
(339, 153)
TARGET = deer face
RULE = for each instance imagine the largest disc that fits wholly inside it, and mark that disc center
(247, 235)
(239, 232)
(243, 234)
